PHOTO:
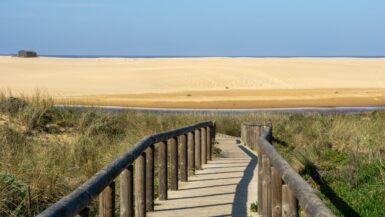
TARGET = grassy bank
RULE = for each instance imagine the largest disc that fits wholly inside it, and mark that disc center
(47, 152)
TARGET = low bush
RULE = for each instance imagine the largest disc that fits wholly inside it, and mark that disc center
(12, 105)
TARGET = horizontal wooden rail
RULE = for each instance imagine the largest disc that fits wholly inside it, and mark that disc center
(102, 183)
(279, 185)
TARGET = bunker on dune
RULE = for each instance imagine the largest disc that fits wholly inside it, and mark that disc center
(26, 53)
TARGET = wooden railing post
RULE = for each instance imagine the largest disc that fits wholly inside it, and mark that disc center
(214, 131)
(289, 202)
(198, 155)
(260, 181)
(276, 193)
(107, 201)
(183, 158)
(204, 145)
(266, 185)
(162, 171)
(209, 143)
(249, 136)
(256, 132)
(246, 141)
(150, 178)
(191, 152)
(253, 137)
(173, 145)
(127, 192)
(140, 186)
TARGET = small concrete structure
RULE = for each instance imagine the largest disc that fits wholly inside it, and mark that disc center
(26, 53)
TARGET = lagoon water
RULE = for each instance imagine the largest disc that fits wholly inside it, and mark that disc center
(304, 110)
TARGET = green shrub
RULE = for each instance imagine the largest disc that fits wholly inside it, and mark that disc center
(12, 105)
(254, 207)
(13, 195)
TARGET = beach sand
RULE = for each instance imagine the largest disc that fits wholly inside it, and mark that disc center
(216, 82)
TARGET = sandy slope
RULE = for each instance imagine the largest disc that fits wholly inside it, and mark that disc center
(201, 82)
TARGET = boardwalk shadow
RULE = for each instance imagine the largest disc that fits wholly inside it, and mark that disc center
(192, 207)
(216, 179)
(326, 190)
(239, 207)
(201, 196)
(338, 202)
(280, 142)
(209, 186)
(214, 173)
(209, 168)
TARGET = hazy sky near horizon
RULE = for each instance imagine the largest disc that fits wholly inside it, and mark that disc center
(194, 27)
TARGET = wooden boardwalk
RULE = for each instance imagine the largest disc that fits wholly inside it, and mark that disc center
(225, 187)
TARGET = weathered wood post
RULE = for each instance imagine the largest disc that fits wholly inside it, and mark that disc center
(150, 178)
(191, 152)
(276, 193)
(209, 143)
(289, 202)
(204, 145)
(252, 133)
(173, 144)
(214, 131)
(260, 181)
(162, 171)
(266, 185)
(250, 137)
(256, 132)
(127, 192)
(107, 201)
(140, 186)
(183, 158)
(247, 135)
(260, 176)
(198, 154)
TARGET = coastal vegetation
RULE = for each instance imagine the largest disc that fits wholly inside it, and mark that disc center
(46, 152)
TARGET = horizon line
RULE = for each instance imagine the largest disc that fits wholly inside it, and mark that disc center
(201, 56)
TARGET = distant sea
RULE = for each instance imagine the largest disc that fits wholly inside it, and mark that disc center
(150, 56)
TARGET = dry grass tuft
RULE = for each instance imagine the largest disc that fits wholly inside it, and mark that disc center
(46, 152)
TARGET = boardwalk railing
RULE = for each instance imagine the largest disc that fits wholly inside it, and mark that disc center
(195, 143)
(280, 187)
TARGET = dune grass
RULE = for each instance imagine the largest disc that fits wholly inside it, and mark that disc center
(46, 152)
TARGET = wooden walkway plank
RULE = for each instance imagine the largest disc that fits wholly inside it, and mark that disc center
(225, 187)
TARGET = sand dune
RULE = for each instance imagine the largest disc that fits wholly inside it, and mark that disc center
(201, 82)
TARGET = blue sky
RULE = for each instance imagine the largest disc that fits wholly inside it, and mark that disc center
(194, 27)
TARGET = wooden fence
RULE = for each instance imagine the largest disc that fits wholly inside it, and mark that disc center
(280, 188)
(195, 145)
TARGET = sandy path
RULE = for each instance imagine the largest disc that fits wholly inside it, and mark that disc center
(201, 82)
(225, 187)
